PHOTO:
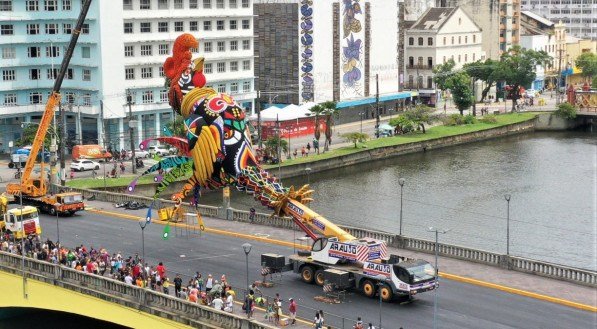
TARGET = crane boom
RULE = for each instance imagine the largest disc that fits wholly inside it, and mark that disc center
(37, 187)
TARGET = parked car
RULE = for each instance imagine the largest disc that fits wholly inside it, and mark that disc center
(159, 150)
(82, 165)
(138, 154)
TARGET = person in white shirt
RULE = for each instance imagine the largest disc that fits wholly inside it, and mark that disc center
(218, 303)
(229, 302)
(128, 279)
(370, 326)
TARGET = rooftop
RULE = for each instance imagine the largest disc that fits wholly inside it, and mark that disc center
(433, 19)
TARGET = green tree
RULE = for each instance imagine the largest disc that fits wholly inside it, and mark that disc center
(517, 68)
(462, 95)
(355, 137)
(442, 74)
(587, 62)
(272, 144)
(420, 115)
(28, 136)
(329, 110)
(176, 126)
(484, 71)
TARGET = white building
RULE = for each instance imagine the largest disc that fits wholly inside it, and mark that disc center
(580, 16)
(123, 48)
(436, 37)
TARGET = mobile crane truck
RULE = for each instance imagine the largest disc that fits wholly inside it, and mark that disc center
(336, 256)
(19, 222)
(33, 190)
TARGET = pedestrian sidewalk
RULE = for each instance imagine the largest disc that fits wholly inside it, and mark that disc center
(485, 273)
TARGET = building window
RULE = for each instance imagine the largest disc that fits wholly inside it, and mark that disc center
(85, 28)
(164, 96)
(221, 67)
(193, 4)
(146, 50)
(206, 4)
(70, 74)
(34, 74)
(430, 41)
(246, 65)
(145, 27)
(10, 99)
(420, 41)
(50, 5)
(53, 51)
(147, 97)
(429, 62)
(234, 87)
(208, 68)
(411, 41)
(420, 81)
(220, 4)
(161, 71)
(465, 58)
(6, 29)
(246, 24)
(221, 46)
(86, 75)
(32, 28)
(220, 25)
(128, 28)
(221, 88)
(32, 5)
(233, 24)
(35, 98)
(9, 53)
(429, 82)
(465, 39)
(458, 58)
(67, 28)
(162, 4)
(233, 66)
(145, 4)
(163, 49)
(474, 38)
(86, 100)
(420, 61)
(246, 86)
(162, 26)
(52, 74)
(33, 52)
(452, 40)
(245, 3)
(129, 74)
(178, 26)
(233, 45)
(444, 41)
(85, 52)
(146, 72)
(52, 28)
(127, 4)
(193, 26)
(207, 25)
(129, 51)
(411, 81)
(246, 44)
(66, 5)
(232, 4)
(5, 5)
(459, 20)
(411, 61)
(207, 47)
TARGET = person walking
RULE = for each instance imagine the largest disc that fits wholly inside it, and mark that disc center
(359, 324)
(308, 148)
(317, 323)
(292, 310)
(370, 326)
(248, 304)
(177, 285)
(209, 283)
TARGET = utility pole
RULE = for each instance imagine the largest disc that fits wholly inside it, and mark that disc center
(62, 145)
(377, 105)
(559, 76)
(129, 101)
(474, 100)
(100, 138)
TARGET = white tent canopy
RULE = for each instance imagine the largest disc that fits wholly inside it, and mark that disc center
(289, 112)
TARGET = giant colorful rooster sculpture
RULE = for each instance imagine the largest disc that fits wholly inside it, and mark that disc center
(217, 150)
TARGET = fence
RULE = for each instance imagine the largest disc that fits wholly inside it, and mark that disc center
(537, 267)
(114, 291)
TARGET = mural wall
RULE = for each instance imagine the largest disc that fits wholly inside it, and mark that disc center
(352, 58)
(306, 62)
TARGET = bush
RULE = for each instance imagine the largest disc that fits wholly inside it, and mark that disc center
(403, 123)
(469, 119)
(489, 118)
(453, 120)
(566, 111)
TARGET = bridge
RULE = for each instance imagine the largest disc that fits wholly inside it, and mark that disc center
(53, 287)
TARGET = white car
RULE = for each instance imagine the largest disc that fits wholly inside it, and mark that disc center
(138, 154)
(159, 150)
(82, 165)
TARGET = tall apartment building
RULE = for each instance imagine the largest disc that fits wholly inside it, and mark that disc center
(122, 48)
(499, 21)
(580, 16)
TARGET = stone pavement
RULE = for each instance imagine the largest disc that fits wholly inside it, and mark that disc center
(486, 273)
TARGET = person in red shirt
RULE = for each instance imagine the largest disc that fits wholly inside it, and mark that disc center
(136, 270)
(161, 269)
(90, 267)
(292, 310)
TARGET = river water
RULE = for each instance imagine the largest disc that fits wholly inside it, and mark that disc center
(551, 178)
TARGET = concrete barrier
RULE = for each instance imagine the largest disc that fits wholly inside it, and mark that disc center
(114, 291)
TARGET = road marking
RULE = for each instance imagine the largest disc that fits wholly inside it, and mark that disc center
(199, 258)
(454, 277)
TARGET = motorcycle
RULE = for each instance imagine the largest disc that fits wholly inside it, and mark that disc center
(130, 205)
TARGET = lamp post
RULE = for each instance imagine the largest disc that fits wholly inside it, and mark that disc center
(437, 232)
(401, 182)
(142, 224)
(507, 197)
(247, 249)
(105, 160)
(308, 170)
(289, 148)
(361, 114)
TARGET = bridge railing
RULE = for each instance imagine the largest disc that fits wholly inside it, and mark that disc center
(538, 267)
(121, 293)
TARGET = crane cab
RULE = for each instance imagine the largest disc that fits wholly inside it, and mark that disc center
(21, 222)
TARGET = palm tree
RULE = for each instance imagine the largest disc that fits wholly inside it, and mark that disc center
(329, 110)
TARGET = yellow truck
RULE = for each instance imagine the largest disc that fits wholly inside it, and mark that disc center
(20, 222)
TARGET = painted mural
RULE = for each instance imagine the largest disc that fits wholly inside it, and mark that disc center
(306, 70)
(352, 58)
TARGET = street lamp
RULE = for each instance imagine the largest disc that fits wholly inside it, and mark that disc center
(142, 224)
(105, 160)
(401, 183)
(361, 115)
(247, 248)
(308, 170)
(289, 155)
(437, 232)
(507, 197)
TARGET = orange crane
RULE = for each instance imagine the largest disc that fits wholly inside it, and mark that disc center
(34, 189)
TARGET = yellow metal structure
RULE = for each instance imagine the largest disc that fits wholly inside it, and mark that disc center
(13, 220)
(170, 213)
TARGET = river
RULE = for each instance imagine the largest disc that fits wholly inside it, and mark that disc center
(551, 178)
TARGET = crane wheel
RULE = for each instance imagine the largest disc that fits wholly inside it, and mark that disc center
(386, 293)
(319, 278)
(52, 211)
(307, 274)
(368, 289)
